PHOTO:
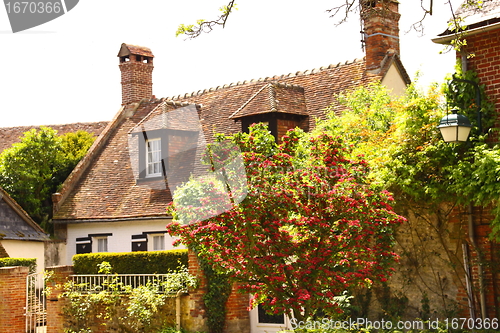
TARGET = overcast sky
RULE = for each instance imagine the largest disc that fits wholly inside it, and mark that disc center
(67, 70)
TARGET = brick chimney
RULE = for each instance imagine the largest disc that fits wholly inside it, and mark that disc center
(136, 67)
(380, 29)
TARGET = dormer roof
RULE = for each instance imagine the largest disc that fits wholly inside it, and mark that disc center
(274, 97)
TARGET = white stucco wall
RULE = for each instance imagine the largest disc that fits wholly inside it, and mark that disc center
(394, 81)
(26, 249)
(122, 232)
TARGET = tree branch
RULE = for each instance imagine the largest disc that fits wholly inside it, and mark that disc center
(194, 30)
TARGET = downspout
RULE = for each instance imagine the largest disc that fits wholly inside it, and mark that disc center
(472, 238)
(480, 273)
(468, 281)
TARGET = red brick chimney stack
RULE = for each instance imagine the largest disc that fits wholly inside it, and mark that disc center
(381, 30)
(136, 66)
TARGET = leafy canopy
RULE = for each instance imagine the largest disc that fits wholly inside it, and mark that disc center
(31, 170)
(309, 228)
(401, 142)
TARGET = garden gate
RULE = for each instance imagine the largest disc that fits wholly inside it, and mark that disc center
(36, 310)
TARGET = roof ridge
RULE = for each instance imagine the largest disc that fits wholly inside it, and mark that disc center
(272, 97)
(266, 79)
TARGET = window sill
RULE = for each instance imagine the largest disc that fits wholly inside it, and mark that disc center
(149, 179)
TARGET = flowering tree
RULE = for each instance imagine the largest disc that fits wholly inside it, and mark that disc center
(310, 227)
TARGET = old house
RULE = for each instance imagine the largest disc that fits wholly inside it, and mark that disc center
(20, 236)
(479, 292)
(106, 188)
(115, 199)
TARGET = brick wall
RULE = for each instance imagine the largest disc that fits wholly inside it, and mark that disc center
(481, 253)
(237, 316)
(137, 80)
(486, 62)
(12, 299)
(381, 29)
(196, 304)
(55, 305)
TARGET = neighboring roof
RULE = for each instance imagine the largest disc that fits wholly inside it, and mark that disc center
(103, 186)
(15, 223)
(3, 252)
(11, 135)
(475, 19)
(128, 49)
(395, 60)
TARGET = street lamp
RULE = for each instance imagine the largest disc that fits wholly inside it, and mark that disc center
(456, 127)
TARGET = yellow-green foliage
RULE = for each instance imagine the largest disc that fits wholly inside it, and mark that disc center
(27, 262)
(150, 262)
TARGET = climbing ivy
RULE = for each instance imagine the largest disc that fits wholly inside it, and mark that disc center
(215, 299)
(400, 140)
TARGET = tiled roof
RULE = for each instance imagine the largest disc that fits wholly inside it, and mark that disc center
(11, 135)
(473, 17)
(472, 14)
(103, 185)
(15, 223)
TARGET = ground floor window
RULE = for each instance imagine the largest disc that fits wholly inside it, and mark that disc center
(92, 243)
(158, 242)
(265, 318)
(102, 244)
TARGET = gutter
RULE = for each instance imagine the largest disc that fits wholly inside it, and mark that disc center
(122, 219)
(448, 38)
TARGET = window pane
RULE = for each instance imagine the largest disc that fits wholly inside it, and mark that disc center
(159, 243)
(102, 245)
(153, 156)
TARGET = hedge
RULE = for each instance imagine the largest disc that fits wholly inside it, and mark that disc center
(26, 262)
(150, 262)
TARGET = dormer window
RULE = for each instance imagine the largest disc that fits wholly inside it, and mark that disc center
(153, 158)
(152, 149)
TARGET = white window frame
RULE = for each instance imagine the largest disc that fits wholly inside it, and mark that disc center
(153, 157)
(153, 242)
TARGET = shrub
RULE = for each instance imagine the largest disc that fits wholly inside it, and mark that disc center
(26, 262)
(120, 307)
(150, 262)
